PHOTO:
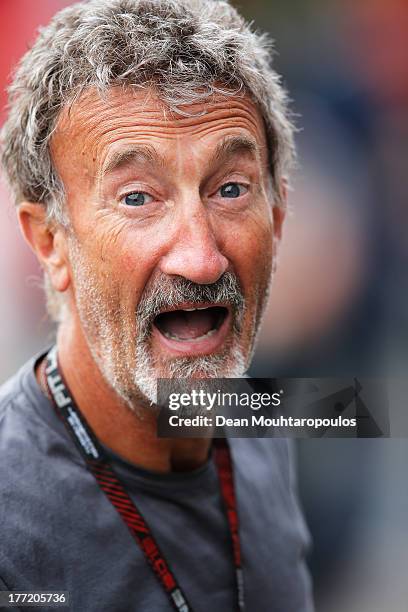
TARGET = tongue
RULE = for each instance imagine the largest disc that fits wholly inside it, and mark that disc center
(187, 325)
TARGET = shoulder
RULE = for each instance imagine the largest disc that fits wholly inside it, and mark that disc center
(40, 475)
(14, 405)
(10, 391)
(266, 460)
(33, 442)
(20, 390)
(21, 405)
(258, 454)
(265, 470)
(265, 466)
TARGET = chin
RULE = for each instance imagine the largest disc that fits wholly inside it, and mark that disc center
(230, 365)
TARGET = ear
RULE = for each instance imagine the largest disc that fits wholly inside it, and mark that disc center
(48, 243)
(279, 212)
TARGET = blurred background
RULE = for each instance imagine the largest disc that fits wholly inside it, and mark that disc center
(339, 304)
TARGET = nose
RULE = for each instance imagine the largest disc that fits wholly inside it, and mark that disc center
(194, 252)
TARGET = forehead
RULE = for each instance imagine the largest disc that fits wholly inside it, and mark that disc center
(94, 126)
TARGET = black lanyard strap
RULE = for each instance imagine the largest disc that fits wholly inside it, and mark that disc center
(100, 466)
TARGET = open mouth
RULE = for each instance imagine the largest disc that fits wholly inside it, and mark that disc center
(193, 329)
(191, 324)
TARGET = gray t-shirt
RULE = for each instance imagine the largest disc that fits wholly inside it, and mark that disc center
(58, 530)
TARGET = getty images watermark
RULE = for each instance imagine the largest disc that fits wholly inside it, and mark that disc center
(296, 408)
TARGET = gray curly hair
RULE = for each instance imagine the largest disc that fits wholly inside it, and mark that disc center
(188, 50)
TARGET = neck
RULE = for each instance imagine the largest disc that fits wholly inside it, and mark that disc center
(114, 423)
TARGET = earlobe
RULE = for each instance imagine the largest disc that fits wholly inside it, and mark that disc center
(48, 243)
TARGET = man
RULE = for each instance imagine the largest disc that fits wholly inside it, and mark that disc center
(147, 147)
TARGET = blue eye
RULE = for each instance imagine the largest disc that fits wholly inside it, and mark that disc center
(232, 190)
(137, 198)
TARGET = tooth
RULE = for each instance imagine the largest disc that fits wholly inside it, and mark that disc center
(190, 309)
(210, 333)
(203, 308)
(171, 336)
(207, 335)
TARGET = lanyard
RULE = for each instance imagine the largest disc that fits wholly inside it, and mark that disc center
(99, 464)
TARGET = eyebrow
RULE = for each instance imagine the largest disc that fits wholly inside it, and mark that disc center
(235, 145)
(127, 156)
(227, 148)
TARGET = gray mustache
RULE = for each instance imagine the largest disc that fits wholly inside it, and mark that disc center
(169, 292)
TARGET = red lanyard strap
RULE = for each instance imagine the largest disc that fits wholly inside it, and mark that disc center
(225, 474)
(98, 463)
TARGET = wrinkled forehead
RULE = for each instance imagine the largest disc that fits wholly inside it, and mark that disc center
(95, 125)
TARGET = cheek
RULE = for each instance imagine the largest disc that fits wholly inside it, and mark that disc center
(122, 256)
(125, 276)
(129, 264)
(249, 248)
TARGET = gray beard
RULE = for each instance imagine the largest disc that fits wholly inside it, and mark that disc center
(168, 293)
(205, 366)
(138, 388)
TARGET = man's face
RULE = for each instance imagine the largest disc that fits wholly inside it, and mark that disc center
(172, 235)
